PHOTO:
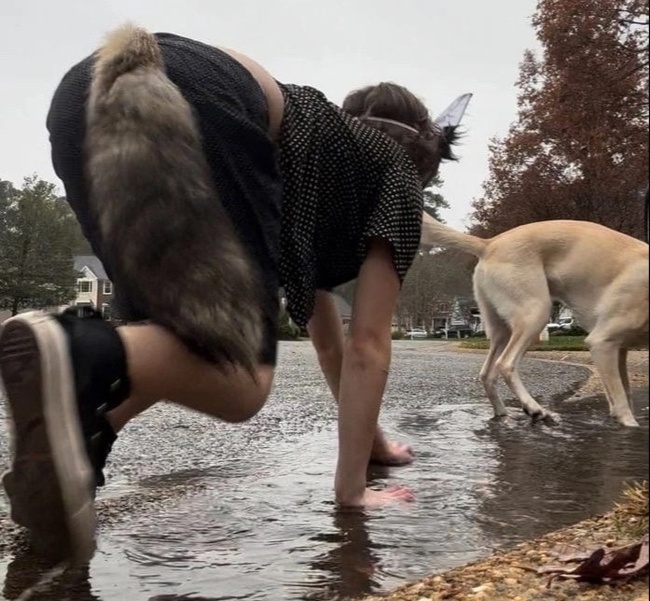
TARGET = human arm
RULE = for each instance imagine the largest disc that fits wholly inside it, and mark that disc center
(364, 371)
(326, 333)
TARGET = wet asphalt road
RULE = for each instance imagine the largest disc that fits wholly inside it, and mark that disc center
(254, 518)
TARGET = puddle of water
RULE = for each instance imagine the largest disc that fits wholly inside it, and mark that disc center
(264, 527)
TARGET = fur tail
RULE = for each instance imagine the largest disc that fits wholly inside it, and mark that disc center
(169, 243)
(435, 233)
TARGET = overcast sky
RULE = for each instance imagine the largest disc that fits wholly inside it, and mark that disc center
(437, 48)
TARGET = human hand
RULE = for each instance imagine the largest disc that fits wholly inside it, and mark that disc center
(370, 498)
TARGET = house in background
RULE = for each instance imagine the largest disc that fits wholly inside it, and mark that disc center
(94, 289)
(454, 311)
(345, 311)
(442, 314)
(459, 311)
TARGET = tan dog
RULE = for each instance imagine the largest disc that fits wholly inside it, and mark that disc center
(600, 274)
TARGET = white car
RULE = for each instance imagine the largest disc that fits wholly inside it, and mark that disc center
(564, 323)
(416, 333)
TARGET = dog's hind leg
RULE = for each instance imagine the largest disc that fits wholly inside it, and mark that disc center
(622, 369)
(525, 330)
(499, 333)
(607, 359)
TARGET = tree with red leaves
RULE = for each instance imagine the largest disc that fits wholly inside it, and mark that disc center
(579, 148)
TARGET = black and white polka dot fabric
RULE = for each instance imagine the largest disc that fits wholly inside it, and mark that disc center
(344, 183)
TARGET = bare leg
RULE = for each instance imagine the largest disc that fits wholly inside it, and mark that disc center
(59, 464)
(326, 333)
(160, 367)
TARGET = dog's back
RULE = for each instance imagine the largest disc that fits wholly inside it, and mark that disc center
(575, 255)
(588, 267)
(582, 264)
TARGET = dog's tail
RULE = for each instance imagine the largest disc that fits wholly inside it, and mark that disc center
(435, 233)
(169, 244)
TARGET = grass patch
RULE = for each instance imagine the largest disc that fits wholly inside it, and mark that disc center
(630, 514)
(556, 343)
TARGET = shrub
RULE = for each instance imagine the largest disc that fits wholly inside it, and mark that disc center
(287, 330)
(573, 331)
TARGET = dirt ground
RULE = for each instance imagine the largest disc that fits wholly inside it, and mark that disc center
(512, 575)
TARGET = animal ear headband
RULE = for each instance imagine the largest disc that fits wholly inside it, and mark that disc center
(450, 117)
(453, 114)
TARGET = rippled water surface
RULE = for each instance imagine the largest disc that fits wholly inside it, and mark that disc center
(258, 521)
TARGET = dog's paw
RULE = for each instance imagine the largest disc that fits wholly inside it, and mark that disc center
(551, 418)
(545, 416)
(629, 421)
(499, 417)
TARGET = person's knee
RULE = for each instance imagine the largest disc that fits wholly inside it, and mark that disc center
(253, 399)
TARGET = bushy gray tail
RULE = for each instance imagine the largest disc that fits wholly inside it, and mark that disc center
(170, 244)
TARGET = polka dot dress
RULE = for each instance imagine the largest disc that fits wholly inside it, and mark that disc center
(344, 183)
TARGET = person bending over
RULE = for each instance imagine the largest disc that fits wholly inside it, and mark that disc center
(204, 185)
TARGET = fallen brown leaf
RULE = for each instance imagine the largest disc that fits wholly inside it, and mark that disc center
(602, 566)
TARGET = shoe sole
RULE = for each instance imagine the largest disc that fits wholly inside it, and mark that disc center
(50, 486)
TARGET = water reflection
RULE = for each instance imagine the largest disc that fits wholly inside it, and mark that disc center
(191, 597)
(352, 561)
(26, 570)
(549, 477)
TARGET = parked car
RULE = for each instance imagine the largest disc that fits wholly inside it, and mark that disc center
(416, 333)
(564, 323)
(457, 331)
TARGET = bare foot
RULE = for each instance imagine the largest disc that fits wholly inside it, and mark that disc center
(392, 454)
(379, 498)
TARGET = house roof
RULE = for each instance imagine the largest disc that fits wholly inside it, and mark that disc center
(92, 263)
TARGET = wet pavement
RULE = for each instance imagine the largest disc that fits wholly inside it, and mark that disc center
(257, 521)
